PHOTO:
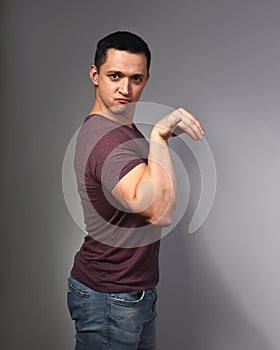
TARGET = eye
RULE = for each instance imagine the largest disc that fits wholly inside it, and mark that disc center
(114, 76)
(137, 79)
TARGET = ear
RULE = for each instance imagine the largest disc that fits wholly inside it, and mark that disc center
(148, 77)
(93, 74)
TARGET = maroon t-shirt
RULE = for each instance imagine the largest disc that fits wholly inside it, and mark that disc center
(120, 251)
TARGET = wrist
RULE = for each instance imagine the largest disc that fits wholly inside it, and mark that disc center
(158, 136)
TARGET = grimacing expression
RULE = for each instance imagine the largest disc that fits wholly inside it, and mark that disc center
(120, 80)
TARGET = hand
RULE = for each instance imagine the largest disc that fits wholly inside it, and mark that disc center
(178, 122)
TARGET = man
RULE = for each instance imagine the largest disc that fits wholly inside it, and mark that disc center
(128, 192)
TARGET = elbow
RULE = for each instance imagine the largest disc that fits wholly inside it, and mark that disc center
(164, 220)
(160, 222)
(161, 212)
(163, 223)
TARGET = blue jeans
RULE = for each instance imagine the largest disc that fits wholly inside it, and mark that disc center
(112, 321)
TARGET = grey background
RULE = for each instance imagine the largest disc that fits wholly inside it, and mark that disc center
(220, 287)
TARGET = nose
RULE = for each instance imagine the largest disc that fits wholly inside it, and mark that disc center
(125, 86)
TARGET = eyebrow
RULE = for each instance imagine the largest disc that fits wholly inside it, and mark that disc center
(121, 73)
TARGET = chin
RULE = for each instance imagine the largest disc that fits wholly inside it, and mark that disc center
(125, 109)
(119, 109)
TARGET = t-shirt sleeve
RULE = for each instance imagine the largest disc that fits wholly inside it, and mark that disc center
(115, 155)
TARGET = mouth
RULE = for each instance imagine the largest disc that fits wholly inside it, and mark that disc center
(123, 100)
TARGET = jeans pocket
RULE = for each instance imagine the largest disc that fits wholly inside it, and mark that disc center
(77, 298)
(127, 299)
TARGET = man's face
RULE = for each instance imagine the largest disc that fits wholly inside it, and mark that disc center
(120, 80)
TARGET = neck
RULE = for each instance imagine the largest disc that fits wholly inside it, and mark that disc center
(124, 117)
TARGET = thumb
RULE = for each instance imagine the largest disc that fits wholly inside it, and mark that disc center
(173, 119)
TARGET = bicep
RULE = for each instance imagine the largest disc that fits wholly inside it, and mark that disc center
(131, 190)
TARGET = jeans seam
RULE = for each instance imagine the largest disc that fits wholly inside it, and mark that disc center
(128, 302)
(109, 318)
(80, 322)
(77, 291)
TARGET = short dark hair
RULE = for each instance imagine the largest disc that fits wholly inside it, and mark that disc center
(124, 41)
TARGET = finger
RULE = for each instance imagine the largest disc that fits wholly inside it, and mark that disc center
(193, 130)
(173, 119)
(189, 126)
(190, 130)
(187, 114)
(191, 133)
(197, 131)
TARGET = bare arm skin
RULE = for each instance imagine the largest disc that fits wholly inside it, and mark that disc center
(151, 190)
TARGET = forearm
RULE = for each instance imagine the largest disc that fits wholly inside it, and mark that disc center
(160, 179)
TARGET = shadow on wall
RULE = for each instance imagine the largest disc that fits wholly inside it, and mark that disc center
(196, 309)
